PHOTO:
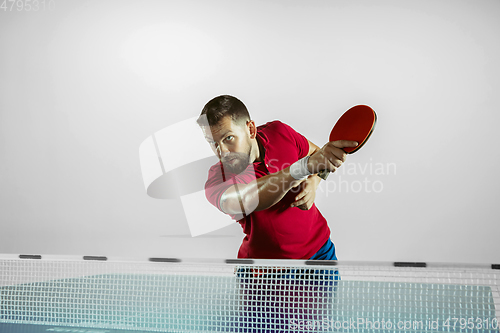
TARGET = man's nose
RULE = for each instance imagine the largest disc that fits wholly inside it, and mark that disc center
(222, 150)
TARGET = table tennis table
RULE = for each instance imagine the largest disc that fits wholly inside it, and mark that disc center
(105, 295)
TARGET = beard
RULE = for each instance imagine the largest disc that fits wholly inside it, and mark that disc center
(237, 162)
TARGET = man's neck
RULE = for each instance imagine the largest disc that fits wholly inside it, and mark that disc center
(259, 151)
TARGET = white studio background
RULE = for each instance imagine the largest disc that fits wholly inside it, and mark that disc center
(83, 83)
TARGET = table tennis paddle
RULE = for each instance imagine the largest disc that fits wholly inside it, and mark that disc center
(356, 124)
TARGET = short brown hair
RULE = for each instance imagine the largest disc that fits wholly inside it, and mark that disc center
(223, 106)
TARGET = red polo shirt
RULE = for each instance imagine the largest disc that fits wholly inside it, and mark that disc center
(279, 232)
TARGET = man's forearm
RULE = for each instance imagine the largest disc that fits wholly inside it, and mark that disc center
(262, 193)
(258, 195)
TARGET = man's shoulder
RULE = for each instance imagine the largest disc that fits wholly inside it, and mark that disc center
(272, 124)
(281, 135)
(276, 126)
(216, 169)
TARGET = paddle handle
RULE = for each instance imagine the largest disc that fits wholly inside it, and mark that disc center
(323, 174)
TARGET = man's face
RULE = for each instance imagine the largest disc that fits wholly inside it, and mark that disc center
(231, 143)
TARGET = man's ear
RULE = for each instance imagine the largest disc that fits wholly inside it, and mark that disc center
(252, 129)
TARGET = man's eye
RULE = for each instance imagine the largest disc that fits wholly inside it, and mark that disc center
(229, 138)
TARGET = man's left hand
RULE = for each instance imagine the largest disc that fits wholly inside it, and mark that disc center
(306, 193)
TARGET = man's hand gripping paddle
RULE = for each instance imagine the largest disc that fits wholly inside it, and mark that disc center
(356, 124)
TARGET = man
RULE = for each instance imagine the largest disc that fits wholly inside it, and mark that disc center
(267, 180)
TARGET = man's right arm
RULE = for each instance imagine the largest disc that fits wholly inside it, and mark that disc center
(259, 194)
(266, 191)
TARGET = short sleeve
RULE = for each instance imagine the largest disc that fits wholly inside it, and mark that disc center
(300, 141)
(218, 182)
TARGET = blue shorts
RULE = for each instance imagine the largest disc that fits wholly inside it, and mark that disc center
(274, 299)
(327, 252)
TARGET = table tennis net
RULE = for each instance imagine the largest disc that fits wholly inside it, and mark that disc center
(250, 296)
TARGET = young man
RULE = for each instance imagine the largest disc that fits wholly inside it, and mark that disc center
(267, 180)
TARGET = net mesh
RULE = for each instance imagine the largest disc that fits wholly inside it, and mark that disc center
(264, 296)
